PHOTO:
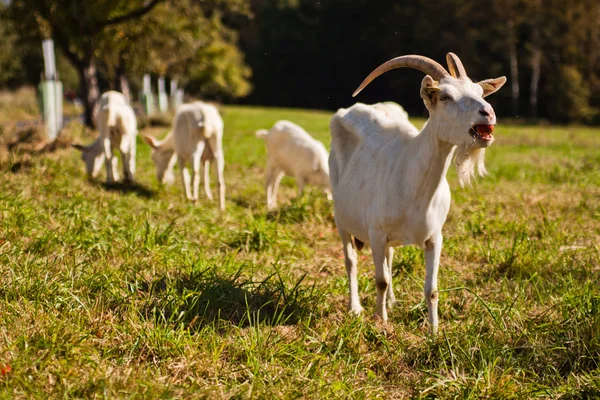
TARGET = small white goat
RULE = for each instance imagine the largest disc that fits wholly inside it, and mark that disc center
(292, 151)
(389, 184)
(117, 126)
(197, 137)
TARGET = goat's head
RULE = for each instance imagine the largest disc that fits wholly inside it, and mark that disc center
(458, 113)
(92, 156)
(455, 103)
(164, 159)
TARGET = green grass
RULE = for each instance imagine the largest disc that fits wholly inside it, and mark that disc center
(135, 292)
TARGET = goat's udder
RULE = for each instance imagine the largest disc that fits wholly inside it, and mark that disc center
(359, 244)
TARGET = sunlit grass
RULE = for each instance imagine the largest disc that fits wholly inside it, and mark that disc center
(135, 292)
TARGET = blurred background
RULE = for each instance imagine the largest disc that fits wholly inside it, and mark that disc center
(310, 53)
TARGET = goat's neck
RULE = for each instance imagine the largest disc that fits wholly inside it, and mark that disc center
(433, 158)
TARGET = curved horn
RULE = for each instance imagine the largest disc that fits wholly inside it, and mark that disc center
(422, 63)
(455, 66)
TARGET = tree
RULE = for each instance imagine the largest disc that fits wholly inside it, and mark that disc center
(76, 27)
(186, 40)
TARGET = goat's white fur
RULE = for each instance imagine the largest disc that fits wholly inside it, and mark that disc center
(197, 138)
(117, 126)
(292, 151)
(389, 181)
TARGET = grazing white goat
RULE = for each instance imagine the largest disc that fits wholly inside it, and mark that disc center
(292, 151)
(197, 137)
(117, 126)
(389, 185)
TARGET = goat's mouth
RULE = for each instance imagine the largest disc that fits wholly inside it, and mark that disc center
(482, 132)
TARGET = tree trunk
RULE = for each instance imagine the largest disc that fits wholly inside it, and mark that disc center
(536, 60)
(121, 81)
(514, 69)
(124, 87)
(90, 92)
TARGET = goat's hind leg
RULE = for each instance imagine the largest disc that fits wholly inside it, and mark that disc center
(196, 164)
(128, 156)
(185, 177)
(351, 262)
(207, 190)
(391, 297)
(270, 176)
(110, 161)
(383, 279)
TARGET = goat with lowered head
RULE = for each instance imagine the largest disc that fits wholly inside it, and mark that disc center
(117, 126)
(389, 184)
(197, 138)
(292, 151)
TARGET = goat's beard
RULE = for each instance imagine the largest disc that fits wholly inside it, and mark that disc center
(466, 158)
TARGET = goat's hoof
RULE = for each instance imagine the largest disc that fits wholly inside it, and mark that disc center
(355, 310)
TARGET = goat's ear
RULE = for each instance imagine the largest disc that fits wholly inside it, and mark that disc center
(151, 141)
(78, 147)
(490, 86)
(429, 89)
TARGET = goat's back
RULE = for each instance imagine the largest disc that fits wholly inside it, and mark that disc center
(294, 150)
(115, 112)
(197, 118)
(365, 125)
(196, 122)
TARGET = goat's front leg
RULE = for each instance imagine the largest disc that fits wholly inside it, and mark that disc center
(196, 164)
(383, 279)
(185, 177)
(391, 297)
(433, 249)
(351, 262)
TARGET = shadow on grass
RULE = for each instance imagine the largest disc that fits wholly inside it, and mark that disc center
(208, 297)
(309, 207)
(127, 187)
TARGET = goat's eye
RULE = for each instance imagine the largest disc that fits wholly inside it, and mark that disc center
(445, 97)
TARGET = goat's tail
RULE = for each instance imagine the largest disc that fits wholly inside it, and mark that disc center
(205, 129)
(261, 133)
(112, 116)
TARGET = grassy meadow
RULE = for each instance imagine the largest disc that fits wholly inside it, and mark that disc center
(133, 292)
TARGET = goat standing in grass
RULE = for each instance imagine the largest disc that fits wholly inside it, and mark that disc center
(117, 126)
(389, 183)
(197, 138)
(292, 151)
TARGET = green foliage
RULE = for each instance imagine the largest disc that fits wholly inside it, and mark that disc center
(571, 95)
(11, 68)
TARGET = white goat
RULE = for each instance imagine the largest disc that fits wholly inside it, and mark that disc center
(117, 126)
(389, 185)
(292, 151)
(197, 137)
